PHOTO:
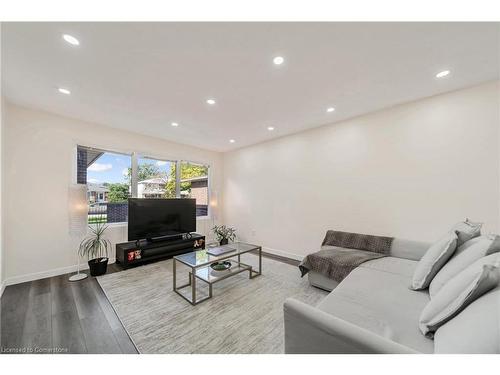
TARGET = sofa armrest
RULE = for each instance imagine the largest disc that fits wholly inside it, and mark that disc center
(312, 331)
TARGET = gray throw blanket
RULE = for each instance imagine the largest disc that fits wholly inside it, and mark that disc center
(376, 244)
(354, 249)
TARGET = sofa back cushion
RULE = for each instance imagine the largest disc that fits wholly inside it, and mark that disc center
(464, 256)
(408, 249)
(435, 258)
(400, 248)
(470, 284)
(475, 330)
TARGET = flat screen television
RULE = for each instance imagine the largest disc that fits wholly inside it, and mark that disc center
(153, 218)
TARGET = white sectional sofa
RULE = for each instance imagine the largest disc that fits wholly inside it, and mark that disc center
(373, 310)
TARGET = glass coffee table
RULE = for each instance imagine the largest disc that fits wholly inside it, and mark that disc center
(200, 261)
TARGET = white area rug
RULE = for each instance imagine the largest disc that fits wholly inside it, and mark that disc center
(244, 315)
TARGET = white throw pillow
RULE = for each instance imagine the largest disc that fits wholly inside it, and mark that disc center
(470, 284)
(466, 230)
(433, 260)
(463, 257)
(475, 330)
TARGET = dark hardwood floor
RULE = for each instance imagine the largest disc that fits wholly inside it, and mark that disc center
(54, 315)
(59, 316)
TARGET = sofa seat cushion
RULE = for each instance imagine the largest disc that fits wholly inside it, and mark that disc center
(376, 297)
(321, 281)
(398, 266)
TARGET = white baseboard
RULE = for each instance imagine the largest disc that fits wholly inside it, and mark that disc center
(49, 273)
(2, 288)
(282, 253)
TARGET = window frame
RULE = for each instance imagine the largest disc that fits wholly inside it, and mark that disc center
(178, 184)
(135, 156)
(104, 150)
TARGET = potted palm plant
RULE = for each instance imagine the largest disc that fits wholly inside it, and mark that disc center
(95, 248)
(224, 234)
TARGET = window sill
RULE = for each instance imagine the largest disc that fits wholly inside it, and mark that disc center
(203, 218)
(112, 225)
(124, 224)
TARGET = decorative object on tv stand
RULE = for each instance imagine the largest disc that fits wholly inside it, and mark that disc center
(199, 243)
(95, 248)
(78, 212)
(224, 234)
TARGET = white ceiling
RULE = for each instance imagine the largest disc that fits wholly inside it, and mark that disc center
(142, 76)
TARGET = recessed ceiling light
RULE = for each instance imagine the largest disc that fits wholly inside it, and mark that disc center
(211, 101)
(62, 90)
(232, 141)
(71, 39)
(278, 60)
(174, 124)
(330, 109)
(270, 128)
(442, 74)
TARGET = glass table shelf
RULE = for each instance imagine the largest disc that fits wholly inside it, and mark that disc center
(199, 262)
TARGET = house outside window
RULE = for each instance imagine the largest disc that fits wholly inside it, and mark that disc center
(156, 178)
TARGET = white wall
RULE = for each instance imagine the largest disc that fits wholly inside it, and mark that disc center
(409, 171)
(2, 113)
(39, 165)
(2, 262)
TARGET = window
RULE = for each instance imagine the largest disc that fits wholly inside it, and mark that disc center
(107, 175)
(194, 184)
(156, 178)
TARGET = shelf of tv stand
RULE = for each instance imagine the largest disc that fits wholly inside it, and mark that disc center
(159, 249)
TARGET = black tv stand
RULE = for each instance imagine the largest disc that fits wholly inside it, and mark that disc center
(142, 251)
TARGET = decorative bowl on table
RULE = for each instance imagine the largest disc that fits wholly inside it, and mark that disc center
(220, 266)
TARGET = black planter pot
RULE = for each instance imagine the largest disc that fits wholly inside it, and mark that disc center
(224, 241)
(98, 266)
